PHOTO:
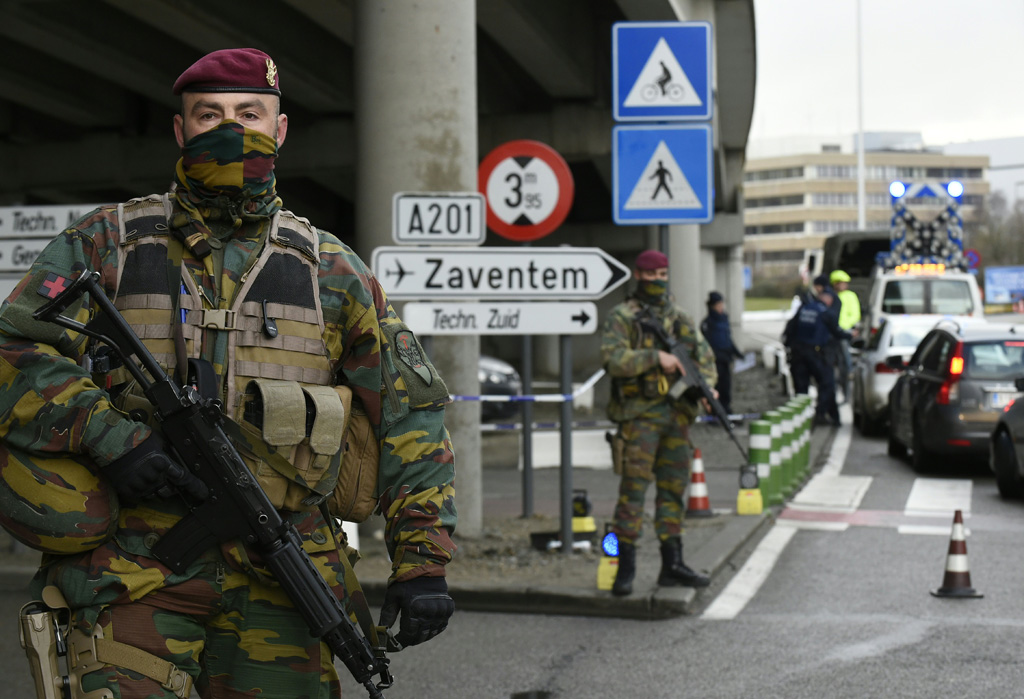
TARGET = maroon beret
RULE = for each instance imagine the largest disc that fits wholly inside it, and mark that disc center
(231, 70)
(651, 259)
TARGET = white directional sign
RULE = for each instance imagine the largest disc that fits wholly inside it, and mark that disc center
(25, 231)
(443, 218)
(662, 174)
(502, 318)
(558, 273)
(661, 71)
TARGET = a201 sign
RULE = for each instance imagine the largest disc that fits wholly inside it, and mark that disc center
(442, 218)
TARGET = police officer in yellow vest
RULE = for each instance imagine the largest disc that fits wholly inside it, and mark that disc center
(849, 316)
(290, 321)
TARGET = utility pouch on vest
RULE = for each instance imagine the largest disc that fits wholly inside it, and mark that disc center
(618, 445)
(304, 426)
(355, 496)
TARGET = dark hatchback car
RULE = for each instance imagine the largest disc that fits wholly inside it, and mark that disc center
(956, 386)
(498, 378)
(1006, 453)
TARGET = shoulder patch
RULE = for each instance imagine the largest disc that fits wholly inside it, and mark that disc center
(52, 285)
(409, 353)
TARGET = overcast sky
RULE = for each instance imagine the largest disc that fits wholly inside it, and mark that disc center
(950, 69)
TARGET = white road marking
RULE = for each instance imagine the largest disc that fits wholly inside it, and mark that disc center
(828, 492)
(928, 530)
(745, 584)
(742, 588)
(814, 525)
(931, 496)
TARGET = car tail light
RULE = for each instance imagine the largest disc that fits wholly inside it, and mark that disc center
(883, 368)
(949, 391)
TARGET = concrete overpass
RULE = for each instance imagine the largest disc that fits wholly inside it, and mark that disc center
(382, 97)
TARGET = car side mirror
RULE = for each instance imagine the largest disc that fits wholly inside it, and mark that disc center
(1019, 383)
(858, 343)
(895, 362)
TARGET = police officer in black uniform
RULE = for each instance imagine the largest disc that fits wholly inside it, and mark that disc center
(806, 336)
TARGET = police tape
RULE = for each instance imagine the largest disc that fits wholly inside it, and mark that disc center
(537, 398)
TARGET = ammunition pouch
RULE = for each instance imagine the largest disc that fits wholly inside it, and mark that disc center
(45, 638)
(319, 445)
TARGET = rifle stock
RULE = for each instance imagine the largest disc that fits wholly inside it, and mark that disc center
(237, 507)
(692, 380)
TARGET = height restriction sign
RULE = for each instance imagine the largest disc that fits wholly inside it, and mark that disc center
(528, 187)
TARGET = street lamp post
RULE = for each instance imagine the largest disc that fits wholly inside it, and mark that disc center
(861, 203)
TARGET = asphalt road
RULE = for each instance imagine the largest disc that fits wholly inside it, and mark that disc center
(844, 610)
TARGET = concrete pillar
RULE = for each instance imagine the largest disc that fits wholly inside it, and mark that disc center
(684, 273)
(416, 131)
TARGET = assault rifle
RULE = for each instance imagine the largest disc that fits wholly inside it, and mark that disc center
(691, 383)
(237, 507)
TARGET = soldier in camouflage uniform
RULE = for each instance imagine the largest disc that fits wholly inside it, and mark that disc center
(655, 427)
(216, 270)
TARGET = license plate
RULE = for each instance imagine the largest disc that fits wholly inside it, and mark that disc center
(1000, 400)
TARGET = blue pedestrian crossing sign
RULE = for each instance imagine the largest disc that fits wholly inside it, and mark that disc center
(661, 71)
(662, 173)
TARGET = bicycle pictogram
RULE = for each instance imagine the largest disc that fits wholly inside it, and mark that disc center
(663, 87)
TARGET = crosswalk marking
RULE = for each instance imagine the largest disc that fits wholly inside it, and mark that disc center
(932, 496)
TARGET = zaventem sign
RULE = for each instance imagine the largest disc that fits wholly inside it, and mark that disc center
(495, 272)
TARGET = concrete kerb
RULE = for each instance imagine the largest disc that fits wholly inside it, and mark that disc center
(712, 555)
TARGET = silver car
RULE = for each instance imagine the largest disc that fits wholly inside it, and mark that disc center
(881, 359)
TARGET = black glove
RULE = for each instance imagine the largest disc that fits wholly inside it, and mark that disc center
(147, 470)
(426, 608)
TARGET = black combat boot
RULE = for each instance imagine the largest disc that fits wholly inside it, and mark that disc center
(623, 584)
(674, 571)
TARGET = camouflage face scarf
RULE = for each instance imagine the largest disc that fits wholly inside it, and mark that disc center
(228, 173)
(652, 291)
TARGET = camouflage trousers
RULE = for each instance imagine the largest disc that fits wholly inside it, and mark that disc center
(223, 620)
(658, 449)
(235, 636)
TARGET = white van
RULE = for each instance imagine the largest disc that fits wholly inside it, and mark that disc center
(922, 288)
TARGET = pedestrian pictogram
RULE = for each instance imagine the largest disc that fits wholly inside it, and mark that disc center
(662, 82)
(663, 185)
(661, 71)
(662, 174)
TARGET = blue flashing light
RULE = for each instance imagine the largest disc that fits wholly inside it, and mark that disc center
(610, 544)
(897, 189)
(955, 189)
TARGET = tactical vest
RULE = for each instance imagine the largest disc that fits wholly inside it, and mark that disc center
(632, 395)
(276, 353)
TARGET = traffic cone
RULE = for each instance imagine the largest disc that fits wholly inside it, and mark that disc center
(697, 502)
(957, 580)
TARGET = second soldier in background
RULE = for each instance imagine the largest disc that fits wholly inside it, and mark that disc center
(654, 427)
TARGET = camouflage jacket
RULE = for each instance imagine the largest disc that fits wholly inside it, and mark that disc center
(631, 357)
(51, 405)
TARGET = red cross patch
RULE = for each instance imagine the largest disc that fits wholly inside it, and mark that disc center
(52, 285)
